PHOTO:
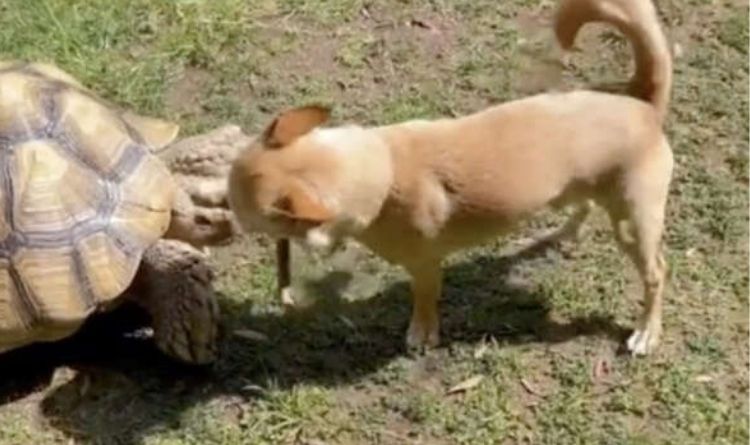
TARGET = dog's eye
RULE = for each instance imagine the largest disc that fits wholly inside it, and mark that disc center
(283, 205)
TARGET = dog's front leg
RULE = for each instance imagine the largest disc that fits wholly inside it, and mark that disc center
(426, 282)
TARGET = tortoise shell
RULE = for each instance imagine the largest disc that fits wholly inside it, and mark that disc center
(81, 198)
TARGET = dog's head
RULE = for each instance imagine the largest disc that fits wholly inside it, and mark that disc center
(275, 184)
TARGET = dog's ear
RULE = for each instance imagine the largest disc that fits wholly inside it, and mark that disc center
(294, 123)
(298, 204)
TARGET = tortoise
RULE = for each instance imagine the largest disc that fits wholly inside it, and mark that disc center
(99, 206)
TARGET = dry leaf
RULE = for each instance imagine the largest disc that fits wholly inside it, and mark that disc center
(62, 375)
(678, 51)
(254, 388)
(287, 296)
(85, 385)
(350, 324)
(601, 369)
(530, 388)
(481, 351)
(249, 334)
(466, 385)
(141, 333)
(424, 24)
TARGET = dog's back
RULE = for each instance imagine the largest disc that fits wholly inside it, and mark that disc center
(471, 178)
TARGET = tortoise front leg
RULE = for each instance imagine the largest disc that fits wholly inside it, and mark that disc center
(174, 284)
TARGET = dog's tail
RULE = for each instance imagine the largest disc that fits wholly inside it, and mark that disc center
(638, 21)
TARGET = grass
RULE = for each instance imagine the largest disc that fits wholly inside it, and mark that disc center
(536, 328)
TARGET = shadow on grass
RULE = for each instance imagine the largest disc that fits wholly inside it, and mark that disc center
(125, 388)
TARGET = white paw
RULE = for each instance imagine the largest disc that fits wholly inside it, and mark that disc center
(287, 297)
(318, 238)
(643, 341)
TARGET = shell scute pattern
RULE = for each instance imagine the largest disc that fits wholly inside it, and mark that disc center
(81, 198)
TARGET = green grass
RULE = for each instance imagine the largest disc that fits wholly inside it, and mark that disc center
(336, 372)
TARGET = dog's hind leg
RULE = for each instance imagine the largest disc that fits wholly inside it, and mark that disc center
(553, 238)
(572, 227)
(638, 220)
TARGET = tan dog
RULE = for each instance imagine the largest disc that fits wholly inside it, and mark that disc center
(416, 191)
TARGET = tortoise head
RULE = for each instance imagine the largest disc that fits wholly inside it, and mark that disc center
(199, 225)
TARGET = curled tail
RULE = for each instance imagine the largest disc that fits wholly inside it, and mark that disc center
(638, 21)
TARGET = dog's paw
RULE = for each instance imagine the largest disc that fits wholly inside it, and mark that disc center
(643, 341)
(420, 337)
(319, 238)
(287, 297)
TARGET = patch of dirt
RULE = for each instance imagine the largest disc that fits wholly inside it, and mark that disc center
(396, 429)
(399, 431)
(184, 95)
(431, 32)
(426, 27)
(541, 62)
(316, 57)
(28, 407)
(426, 372)
(255, 249)
(427, 37)
(360, 396)
(380, 45)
